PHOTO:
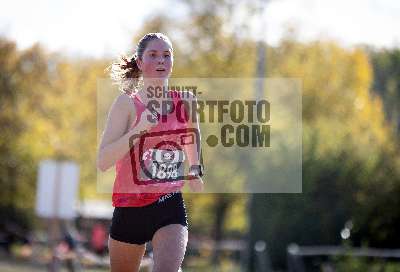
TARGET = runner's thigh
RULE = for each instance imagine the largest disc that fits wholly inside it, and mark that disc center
(169, 246)
(125, 257)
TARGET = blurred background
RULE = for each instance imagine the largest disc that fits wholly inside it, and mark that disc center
(346, 54)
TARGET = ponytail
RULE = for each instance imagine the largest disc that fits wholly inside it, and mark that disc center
(126, 73)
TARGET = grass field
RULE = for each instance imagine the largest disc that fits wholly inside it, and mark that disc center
(14, 266)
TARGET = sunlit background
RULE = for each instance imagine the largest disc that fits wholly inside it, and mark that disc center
(102, 28)
(347, 56)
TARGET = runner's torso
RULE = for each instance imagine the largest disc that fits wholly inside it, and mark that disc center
(158, 152)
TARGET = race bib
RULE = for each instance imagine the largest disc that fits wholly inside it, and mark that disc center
(162, 164)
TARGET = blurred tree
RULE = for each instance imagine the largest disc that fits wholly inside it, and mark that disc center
(386, 66)
(64, 122)
(16, 172)
(48, 111)
(349, 154)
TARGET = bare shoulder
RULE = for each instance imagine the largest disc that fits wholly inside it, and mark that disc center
(123, 104)
(123, 101)
(118, 118)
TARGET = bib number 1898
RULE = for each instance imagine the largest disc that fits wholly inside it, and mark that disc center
(164, 170)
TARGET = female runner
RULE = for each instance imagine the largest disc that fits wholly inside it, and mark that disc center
(148, 209)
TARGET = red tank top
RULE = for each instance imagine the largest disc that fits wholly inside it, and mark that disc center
(134, 187)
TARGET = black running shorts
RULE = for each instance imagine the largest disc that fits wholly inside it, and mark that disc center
(137, 225)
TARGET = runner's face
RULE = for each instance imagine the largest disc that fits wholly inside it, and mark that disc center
(157, 60)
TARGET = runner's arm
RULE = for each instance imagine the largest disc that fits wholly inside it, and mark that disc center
(115, 140)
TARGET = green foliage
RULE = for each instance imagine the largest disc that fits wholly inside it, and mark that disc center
(350, 162)
(48, 111)
(386, 66)
(344, 264)
(15, 162)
